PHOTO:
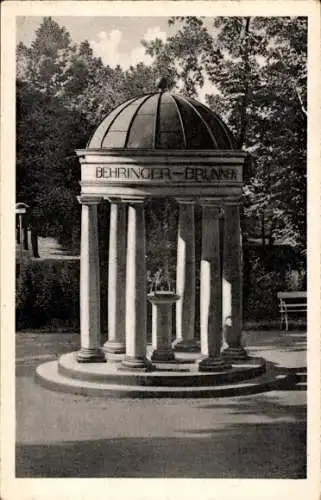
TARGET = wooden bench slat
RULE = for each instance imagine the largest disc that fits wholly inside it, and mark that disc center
(295, 310)
(291, 308)
(290, 295)
(296, 305)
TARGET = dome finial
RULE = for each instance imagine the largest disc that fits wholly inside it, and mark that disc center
(162, 83)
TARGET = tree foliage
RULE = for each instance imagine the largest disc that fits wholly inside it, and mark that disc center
(255, 73)
(257, 69)
(63, 92)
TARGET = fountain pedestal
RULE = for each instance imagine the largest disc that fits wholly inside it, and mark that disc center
(162, 303)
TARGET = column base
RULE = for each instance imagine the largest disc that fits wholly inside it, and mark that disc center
(234, 354)
(90, 355)
(163, 355)
(136, 364)
(215, 364)
(186, 345)
(114, 347)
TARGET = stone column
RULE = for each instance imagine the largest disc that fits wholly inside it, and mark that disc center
(90, 350)
(232, 285)
(136, 298)
(211, 291)
(116, 278)
(185, 278)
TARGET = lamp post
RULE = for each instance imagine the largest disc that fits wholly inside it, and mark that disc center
(21, 210)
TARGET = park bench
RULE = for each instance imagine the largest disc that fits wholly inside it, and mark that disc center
(291, 302)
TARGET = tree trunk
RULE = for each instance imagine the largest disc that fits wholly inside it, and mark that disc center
(263, 229)
(271, 237)
(25, 238)
(18, 234)
(34, 243)
(246, 88)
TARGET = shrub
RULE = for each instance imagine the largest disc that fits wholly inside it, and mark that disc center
(266, 271)
(48, 294)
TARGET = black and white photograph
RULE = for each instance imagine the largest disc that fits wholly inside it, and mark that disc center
(161, 246)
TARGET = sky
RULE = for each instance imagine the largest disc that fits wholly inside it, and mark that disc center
(115, 39)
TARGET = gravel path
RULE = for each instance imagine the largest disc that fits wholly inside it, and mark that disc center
(62, 435)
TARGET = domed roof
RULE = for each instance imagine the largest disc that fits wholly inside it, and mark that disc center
(164, 121)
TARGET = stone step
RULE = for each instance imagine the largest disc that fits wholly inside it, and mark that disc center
(48, 376)
(176, 374)
(300, 386)
(301, 377)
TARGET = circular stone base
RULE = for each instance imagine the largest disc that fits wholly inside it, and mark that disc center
(175, 380)
(182, 345)
(163, 356)
(106, 381)
(231, 354)
(171, 375)
(213, 364)
(136, 364)
(90, 356)
(114, 347)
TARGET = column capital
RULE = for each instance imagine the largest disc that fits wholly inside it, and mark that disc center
(211, 201)
(185, 201)
(89, 200)
(212, 204)
(131, 200)
(232, 203)
(116, 200)
(228, 207)
(214, 211)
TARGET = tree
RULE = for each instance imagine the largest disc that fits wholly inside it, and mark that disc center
(47, 135)
(257, 67)
(63, 91)
(50, 38)
(42, 64)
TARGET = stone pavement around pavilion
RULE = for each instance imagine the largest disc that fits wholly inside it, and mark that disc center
(65, 435)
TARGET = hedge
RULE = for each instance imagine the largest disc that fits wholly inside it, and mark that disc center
(266, 271)
(49, 293)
